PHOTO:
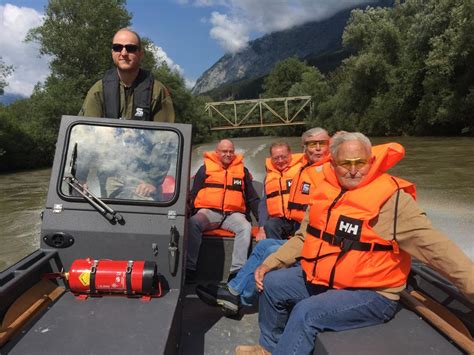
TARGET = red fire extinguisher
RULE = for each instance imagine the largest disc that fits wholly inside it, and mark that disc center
(96, 277)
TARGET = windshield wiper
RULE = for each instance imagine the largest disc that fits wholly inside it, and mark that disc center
(93, 200)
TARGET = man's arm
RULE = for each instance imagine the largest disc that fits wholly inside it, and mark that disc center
(288, 253)
(284, 257)
(162, 105)
(416, 236)
(93, 103)
(198, 183)
(251, 197)
(262, 209)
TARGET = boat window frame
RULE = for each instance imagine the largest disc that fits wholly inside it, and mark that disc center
(125, 202)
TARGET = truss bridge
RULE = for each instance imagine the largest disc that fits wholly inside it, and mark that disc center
(257, 113)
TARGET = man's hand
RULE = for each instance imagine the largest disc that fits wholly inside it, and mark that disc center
(145, 190)
(259, 275)
(260, 234)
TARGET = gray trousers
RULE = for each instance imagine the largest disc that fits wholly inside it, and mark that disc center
(206, 219)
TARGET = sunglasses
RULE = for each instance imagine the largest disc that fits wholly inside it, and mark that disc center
(130, 48)
(314, 144)
(347, 164)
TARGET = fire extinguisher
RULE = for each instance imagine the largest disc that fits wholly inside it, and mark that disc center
(97, 277)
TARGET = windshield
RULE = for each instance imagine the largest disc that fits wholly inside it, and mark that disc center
(120, 163)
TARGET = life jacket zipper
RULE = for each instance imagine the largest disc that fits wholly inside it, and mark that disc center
(338, 197)
(225, 190)
(281, 194)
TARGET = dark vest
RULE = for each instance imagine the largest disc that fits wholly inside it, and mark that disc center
(142, 90)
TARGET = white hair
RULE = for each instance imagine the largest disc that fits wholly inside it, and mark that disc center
(343, 136)
(313, 132)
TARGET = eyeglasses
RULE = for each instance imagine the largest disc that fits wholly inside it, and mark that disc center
(130, 48)
(314, 144)
(280, 158)
(222, 151)
(347, 164)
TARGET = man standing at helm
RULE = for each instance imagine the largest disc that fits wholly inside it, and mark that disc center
(127, 91)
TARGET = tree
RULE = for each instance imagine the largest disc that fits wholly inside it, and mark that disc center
(283, 76)
(410, 71)
(77, 34)
(188, 108)
(313, 84)
(5, 71)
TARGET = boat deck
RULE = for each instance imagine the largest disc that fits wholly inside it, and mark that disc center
(99, 325)
(207, 331)
(118, 325)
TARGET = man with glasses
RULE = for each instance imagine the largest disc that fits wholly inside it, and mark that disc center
(127, 91)
(353, 263)
(281, 167)
(222, 194)
(242, 290)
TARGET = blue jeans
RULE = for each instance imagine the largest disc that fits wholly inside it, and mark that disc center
(292, 312)
(244, 282)
(280, 228)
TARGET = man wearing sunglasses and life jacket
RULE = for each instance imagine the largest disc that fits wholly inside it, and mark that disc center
(127, 91)
(355, 246)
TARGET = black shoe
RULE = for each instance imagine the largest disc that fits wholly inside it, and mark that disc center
(190, 277)
(215, 295)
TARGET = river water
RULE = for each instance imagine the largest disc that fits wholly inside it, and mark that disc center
(442, 168)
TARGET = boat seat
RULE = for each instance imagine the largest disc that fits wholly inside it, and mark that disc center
(224, 233)
(406, 333)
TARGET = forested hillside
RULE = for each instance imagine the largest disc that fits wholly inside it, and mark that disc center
(410, 72)
(77, 34)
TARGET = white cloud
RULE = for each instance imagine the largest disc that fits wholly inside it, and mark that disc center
(162, 57)
(238, 19)
(29, 68)
(229, 33)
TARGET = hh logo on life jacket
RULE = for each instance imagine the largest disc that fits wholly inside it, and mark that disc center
(349, 228)
(305, 187)
(237, 182)
(139, 112)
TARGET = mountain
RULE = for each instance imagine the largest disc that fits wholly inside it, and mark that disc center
(7, 99)
(318, 42)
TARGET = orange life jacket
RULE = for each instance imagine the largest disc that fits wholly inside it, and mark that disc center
(278, 183)
(341, 249)
(223, 189)
(301, 189)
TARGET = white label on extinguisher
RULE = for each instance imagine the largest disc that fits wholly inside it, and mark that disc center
(85, 278)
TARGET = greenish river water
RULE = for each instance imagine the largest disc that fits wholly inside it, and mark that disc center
(442, 168)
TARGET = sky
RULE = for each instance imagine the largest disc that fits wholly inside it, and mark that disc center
(190, 35)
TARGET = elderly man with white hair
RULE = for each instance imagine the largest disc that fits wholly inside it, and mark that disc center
(355, 245)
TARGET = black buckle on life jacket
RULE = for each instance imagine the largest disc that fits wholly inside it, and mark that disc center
(128, 277)
(92, 288)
